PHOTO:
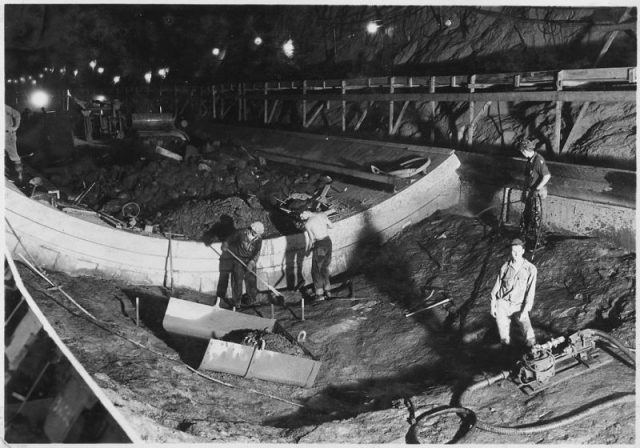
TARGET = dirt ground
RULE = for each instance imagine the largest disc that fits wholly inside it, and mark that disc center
(375, 360)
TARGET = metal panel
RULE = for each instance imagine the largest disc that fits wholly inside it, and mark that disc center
(204, 321)
(266, 365)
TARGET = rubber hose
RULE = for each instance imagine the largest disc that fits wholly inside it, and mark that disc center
(429, 416)
(616, 343)
(629, 398)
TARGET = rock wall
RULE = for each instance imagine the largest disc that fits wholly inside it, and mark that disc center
(465, 40)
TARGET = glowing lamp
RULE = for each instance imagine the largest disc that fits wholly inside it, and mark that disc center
(288, 48)
(372, 27)
(39, 99)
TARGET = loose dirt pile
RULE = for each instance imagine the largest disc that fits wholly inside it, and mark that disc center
(372, 355)
(217, 185)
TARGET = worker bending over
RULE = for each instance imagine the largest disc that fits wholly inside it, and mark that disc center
(245, 244)
(316, 229)
(513, 295)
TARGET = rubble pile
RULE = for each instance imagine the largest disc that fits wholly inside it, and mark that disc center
(213, 184)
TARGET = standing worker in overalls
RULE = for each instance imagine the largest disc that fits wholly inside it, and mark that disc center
(245, 244)
(12, 123)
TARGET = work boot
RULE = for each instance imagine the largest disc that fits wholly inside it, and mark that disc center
(246, 300)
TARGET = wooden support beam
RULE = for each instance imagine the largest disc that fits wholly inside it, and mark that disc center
(608, 96)
(558, 123)
(244, 102)
(344, 107)
(472, 104)
(391, 90)
(358, 174)
(222, 101)
(213, 102)
(432, 89)
(363, 116)
(304, 103)
(398, 122)
(314, 115)
(266, 103)
(273, 111)
(239, 98)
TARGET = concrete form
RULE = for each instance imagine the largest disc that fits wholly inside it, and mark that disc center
(62, 242)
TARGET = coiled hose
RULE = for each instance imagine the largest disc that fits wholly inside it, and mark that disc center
(535, 427)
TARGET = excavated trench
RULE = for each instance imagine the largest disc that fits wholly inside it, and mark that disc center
(375, 358)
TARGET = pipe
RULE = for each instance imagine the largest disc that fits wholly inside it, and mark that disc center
(537, 428)
(427, 416)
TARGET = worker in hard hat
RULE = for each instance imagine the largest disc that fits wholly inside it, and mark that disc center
(245, 244)
(316, 229)
(513, 295)
(12, 123)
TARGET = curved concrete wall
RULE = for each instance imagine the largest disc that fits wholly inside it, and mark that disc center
(65, 243)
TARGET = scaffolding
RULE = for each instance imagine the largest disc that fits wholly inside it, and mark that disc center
(616, 84)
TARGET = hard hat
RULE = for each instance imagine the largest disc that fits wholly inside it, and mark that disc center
(517, 242)
(257, 227)
(305, 215)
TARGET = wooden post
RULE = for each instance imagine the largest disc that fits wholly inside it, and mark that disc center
(472, 82)
(391, 90)
(302, 309)
(344, 107)
(244, 101)
(239, 94)
(304, 103)
(558, 124)
(221, 101)
(432, 89)
(137, 311)
(213, 102)
(266, 102)
(273, 312)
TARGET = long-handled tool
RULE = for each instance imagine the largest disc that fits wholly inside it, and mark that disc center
(442, 302)
(271, 288)
(170, 262)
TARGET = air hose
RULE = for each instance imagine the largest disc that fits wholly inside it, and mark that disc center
(537, 428)
(460, 409)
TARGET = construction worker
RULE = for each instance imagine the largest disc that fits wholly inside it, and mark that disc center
(316, 229)
(12, 123)
(513, 295)
(245, 244)
(536, 171)
(536, 177)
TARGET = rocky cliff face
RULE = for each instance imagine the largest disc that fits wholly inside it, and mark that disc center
(462, 41)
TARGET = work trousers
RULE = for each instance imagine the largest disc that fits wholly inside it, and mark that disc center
(225, 267)
(506, 312)
(10, 146)
(320, 261)
(239, 274)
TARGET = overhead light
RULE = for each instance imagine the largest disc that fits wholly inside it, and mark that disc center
(372, 27)
(288, 48)
(30, 77)
(39, 99)
(75, 73)
(215, 51)
(93, 64)
(100, 70)
(147, 77)
(447, 22)
(257, 40)
(100, 98)
(41, 75)
(33, 81)
(163, 72)
(63, 70)
(22, 79)
(116, 79)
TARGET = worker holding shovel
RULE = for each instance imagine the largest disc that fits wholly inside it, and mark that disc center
(12, 123)
(245, 244)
